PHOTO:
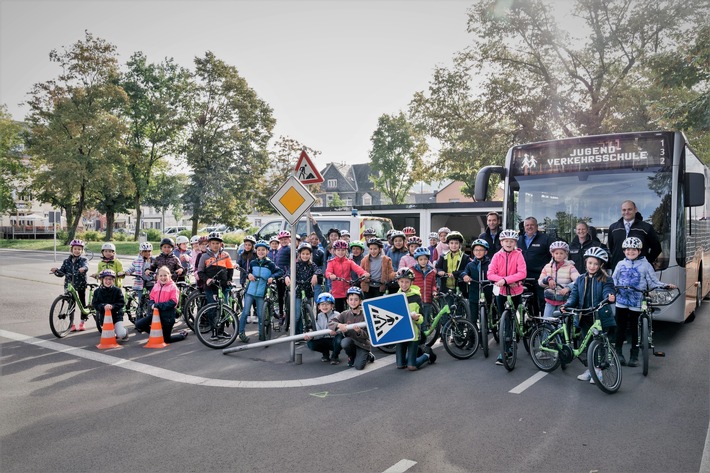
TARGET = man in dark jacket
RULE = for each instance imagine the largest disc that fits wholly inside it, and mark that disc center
(536, 251)
(491, 234)
(631, 224)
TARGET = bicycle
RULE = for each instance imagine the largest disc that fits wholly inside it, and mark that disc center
(487, 316)
(458, 335)
(551, 346)
(514, 328)
(137, 307)
(306, 313)
(645, 320)
(61, 313)
(219, 319)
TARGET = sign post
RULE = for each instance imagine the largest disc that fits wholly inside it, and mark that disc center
(54, 218)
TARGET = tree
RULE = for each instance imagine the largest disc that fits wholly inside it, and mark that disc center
(229, 130)
(11, 168)
(397, 156)
(158, 95)
(75, 128)
(336, 202)
(165, 192)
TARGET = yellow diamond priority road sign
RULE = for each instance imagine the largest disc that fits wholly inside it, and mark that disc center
(292, 200)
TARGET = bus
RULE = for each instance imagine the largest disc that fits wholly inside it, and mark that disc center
(561, 182)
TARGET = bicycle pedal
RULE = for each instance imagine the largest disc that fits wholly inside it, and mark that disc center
(659, 353)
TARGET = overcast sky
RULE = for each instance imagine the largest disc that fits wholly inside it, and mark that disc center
(328, 69)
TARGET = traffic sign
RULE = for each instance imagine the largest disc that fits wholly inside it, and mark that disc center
(292, 200)
(388, 319)
(306, 171)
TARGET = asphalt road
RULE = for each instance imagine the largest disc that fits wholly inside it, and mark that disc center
(68, 407)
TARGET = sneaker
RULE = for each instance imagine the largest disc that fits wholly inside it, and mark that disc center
(184, 333)
(586, 376)
(599, 375)
(371, 357)
(499, 360)
(124, 338)
(214, 337)
(401, 367)
(243, 338)
(223, 336)
(81, 327)
(351, 362)
(432, 355)
(335, 361)
(633, 361)
(73, 328)
(325, 359)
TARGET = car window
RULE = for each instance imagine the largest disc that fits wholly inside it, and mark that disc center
(269, 230)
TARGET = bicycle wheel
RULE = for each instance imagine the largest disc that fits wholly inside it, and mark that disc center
(528, 327)
(483, 324)
(508, 346)
(463, 308)
(267, 318)
(543, 359)
(61, 315)
(225, 326)
(389, 349)
(307, 315)
(193, 304)
(604, 366)
(645, 342)
(460, 338)
(494, 322)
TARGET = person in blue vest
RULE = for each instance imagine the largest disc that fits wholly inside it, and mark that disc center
(536, 251)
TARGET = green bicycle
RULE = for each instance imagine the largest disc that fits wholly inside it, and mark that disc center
(515, 324)
(61, 314)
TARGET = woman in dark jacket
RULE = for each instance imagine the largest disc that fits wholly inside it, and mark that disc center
(584, 240)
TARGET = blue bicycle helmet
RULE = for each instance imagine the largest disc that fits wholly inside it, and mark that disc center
(355, 290)
(325, 297)
(479, 242)
(261, 243)
(422, 251)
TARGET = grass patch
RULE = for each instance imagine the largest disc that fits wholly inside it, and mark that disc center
(122, 247)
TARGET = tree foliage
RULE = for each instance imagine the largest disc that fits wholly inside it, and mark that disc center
(11, 168)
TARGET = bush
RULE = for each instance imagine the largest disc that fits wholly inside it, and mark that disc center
(186, 233)
(232, 239)
(120, 237)
(92, 235)
(153, 234)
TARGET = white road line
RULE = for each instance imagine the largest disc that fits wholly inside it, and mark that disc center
(190, 379)
(400, 467)
(528, 382)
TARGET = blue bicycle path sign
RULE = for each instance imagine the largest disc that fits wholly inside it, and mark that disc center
(388, 319)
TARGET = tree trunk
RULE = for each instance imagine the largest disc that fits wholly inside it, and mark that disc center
(139, 214)
(195, 222)
(110, 219)
(79, 211)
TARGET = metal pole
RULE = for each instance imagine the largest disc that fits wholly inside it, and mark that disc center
(55, 241)
(292, 299)
(292, 338)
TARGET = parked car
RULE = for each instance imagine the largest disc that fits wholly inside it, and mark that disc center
(174, 231)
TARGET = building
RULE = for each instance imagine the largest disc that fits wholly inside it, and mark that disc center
(350, 182)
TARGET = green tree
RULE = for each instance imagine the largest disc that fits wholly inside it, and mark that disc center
(397, 156)
(75, 127)
(165, 192)
(158, 95)
(336, 202)
(12, 171)
(226, 148)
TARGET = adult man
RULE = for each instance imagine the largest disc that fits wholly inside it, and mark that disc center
(536, 251)
(631, 224)
(491, 233)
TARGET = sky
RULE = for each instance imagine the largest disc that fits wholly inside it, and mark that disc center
(328, 69)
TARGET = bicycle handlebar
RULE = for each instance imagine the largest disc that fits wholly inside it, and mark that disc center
(585, 310)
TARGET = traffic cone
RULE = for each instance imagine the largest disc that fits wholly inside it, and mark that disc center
(156, 332)
(108, 336)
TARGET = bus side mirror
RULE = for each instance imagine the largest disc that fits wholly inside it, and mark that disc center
(480, 190)
(694, 189)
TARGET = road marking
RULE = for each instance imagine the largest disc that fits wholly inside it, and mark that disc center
(528, 382)
(190, 379)
(323, 394)
(400, 467)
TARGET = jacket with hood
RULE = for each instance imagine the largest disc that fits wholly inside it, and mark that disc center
(511, 267)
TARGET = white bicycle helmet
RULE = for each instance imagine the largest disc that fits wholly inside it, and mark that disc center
(632, 242)
(195, 239)
(108, 246)
(598, 253)
(433, 236)
(146, 246)
(559, 245)
(508, 234)
(181, 239)
(444, 230)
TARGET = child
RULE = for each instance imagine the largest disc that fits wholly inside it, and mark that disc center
(340, 267)
(409, 260)
(137, 269)
(202, 249)
(406, 352)
(635, 271)
(283, 262)
(380, 268)
(325, 344)
(442, 247)
(167, 258)
(306, 278)
(183, 255)
(452, 264)
(557, 277)
(74, 270)
(396, 252)
(507, 268)
(109, 296)
(244, 261)
(589, 290)
(262, 272)
(425, 280)
(164, 296)
(433, 242)
(477, 270)
(216, 269)
(273, 248)
(109, 261)
(357, 251)
(356, 341)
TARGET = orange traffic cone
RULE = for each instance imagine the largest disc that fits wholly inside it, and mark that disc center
(108, 336)
(156, 332)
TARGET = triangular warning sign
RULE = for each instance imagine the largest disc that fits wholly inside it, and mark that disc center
(306, 172)
(383, 320)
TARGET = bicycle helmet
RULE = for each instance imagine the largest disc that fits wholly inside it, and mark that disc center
(369, 232)
(559, 245)
(358, 244)
(146, 246)
(77, 243)
(283, 234)
(455, 236)
(304, 246)
(331, 231)
(508, 234)
(344, 233)
(250, 238)
(194, 239)
(203, 239)
(108, 246)
(443, 230)
(375, 241)
(340, 245)
(398, 234)
(107, 272)
(274, 238)
(390, 232)
(355, 290)
(598, 253)
(214, 236)
(479, 242)
(422, 251)
(632, 242)
(409, 231)
(261, 243)
(433, 236)
(181, 239)
(405, 273)
(325, 297)
(167, 241)
(414, 240)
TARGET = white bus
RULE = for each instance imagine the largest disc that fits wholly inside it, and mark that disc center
(587, 178)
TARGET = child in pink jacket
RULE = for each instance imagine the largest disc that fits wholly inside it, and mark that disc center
(164, 296)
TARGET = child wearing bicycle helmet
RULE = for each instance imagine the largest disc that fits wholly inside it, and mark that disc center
(380, 268)
(327, 345)
(425, 280)
(109, 261)
(183, 255)
(338, 271)
(110, 296)
(406, 352)
(356, 341)
(477, 270)
(74, 270)
(634, 271)
(590, 289)
(138, 267)
(451, 265)
(557, 277)
(408, 260)
(307, 273)
(433, 242)
(167, 258)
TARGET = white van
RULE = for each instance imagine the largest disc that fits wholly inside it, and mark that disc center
(355, 225)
